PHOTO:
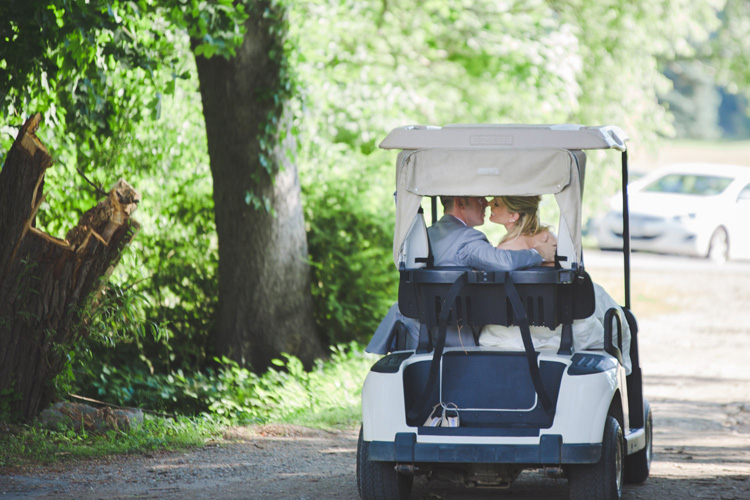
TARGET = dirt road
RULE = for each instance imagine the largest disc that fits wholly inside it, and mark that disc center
(695, 340)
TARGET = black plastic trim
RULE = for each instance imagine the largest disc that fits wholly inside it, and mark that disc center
(479, 431)
(586, 364)
(391, 363)
(550, 450)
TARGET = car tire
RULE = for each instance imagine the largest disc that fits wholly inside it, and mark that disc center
(718, 246)
(638, 465)
(602, 480)
(379, 480)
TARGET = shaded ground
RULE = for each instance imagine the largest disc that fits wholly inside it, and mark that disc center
(694, 340)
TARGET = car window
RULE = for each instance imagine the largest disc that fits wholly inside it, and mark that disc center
(701, 185)
(745, 193)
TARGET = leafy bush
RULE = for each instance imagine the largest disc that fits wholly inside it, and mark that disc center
(349, 217)
(327, 396)
(235, 394)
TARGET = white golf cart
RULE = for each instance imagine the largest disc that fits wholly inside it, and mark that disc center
(572, 412)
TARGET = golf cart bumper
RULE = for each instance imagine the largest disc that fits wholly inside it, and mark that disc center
(550, 450)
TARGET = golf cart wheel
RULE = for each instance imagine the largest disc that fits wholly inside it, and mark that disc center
(718, 248)
(638, 465)
(602, 480)
(379, 480)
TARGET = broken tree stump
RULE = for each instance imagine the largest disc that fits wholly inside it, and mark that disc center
(45, 282)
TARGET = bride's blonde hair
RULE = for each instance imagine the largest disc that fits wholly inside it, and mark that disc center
(527, 208)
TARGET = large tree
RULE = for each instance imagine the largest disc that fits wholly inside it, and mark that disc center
(265, 306)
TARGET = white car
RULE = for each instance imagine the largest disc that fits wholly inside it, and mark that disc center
(479, 415)
(696, 209)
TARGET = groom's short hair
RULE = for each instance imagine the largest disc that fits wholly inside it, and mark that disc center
(448, 202)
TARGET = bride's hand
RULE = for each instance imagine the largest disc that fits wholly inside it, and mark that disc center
(546, 245)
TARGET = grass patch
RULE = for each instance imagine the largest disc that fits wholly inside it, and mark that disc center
(30, 445)
(333, 418)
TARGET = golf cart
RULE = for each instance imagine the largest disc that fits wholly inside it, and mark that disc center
(479, 415)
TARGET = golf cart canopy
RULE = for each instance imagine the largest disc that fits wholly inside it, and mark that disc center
(493, 160)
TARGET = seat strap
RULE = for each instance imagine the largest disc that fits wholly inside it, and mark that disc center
(566, 340)
(422, 403)
(531, 355)
(424, 344)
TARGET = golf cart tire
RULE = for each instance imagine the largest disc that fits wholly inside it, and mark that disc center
(638, 465)
(602, 480)
(379, 480)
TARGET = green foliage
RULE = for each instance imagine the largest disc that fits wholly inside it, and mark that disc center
(726, 51)
(328, 396)
(7, 398)
(367, 68)
(67, 58)
(350, 234)
(34, 445)
(235, 394)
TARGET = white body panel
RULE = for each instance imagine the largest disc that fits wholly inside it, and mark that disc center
(582, 406)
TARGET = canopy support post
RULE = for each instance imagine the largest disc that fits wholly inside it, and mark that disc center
(625, 227)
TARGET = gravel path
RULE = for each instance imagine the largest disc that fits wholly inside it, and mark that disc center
(693, 320)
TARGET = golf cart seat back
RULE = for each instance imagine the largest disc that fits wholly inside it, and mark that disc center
(550, 297)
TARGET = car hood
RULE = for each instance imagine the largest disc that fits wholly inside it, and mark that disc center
(667, 204)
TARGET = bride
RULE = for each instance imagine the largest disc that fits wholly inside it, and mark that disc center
(520, 216)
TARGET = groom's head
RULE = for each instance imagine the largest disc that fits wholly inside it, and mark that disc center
(470, 209)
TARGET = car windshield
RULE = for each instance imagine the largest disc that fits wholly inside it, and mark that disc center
(700, 185)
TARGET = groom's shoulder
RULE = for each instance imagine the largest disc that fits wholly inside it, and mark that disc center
(449, 226)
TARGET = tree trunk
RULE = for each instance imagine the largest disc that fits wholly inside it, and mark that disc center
(45, 282)
(265, 301)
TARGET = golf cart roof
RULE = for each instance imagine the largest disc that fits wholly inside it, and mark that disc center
(566, 136)
(492, 160)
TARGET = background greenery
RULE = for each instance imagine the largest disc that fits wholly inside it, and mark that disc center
(657, 68)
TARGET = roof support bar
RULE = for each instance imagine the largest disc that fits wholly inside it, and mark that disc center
(626, 227)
